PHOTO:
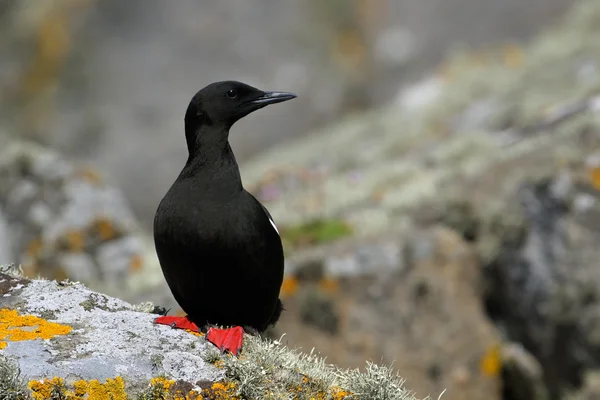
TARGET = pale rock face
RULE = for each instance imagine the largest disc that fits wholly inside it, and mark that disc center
(108, 338)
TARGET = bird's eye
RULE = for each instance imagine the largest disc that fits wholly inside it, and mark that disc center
(232, 94)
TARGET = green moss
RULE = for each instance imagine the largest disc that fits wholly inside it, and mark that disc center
(315, 232)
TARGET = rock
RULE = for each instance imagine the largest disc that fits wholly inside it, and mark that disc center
(64, 222)
(524, 375)
(543, 282)
(60, 339)
(421, 308)
(85, 335)
(590, 389)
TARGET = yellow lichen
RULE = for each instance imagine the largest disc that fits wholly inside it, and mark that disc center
(329, 285)
(81, 388)
(135, 264)
(221, 391)
(15, 327)
(162, 382)
(491, 363)
(594, 175)
(112, 389)
(90, 175)
(338, 393)
(164, 388)
(75, 241)
(289, 286)
(105, 229)
(46, 389)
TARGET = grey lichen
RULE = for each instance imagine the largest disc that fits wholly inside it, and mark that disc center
(146, 307)
(97, 301)
(268, 369)
(156, 360)
(13, 270)
(12, 385)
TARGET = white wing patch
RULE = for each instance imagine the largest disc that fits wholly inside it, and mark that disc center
(270, 219)
(273, 225)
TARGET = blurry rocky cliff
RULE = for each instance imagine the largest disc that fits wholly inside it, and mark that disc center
(62, 221)
(107, 82)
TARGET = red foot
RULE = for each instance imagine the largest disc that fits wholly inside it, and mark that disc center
(177, 322)
(226, 339)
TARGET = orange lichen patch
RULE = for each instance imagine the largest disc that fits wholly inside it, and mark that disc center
(47, 389)
(512, 56)
(90, 175)
(81, 388)
(112, 389)
(594, 175)
(195, 333)
(136, 263)
(15, 327)
(491, 362)
(191, 395)
(338, 393)
(162, 381)
(105, 229)
(74, 241)
(289, 286)
(221, 391)
(34, 247)
(329, 285)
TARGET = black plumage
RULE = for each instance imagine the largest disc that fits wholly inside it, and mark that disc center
(218, 246)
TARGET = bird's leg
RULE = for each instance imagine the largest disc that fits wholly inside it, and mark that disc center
(177, 322)
(229, 339)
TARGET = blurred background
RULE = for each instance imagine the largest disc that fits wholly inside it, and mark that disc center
(435, 182)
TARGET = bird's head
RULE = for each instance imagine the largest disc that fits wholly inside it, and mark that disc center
(224, 103)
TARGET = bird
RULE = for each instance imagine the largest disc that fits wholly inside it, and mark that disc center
(218, 247)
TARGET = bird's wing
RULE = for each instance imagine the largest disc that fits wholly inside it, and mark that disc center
(270, 219)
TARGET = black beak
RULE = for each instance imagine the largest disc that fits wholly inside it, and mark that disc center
(273, 97)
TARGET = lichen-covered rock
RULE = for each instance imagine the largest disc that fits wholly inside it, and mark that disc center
(62, 340)
(68, 331)
(61, 221)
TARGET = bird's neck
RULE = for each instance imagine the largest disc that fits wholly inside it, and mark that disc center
(211, 156)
